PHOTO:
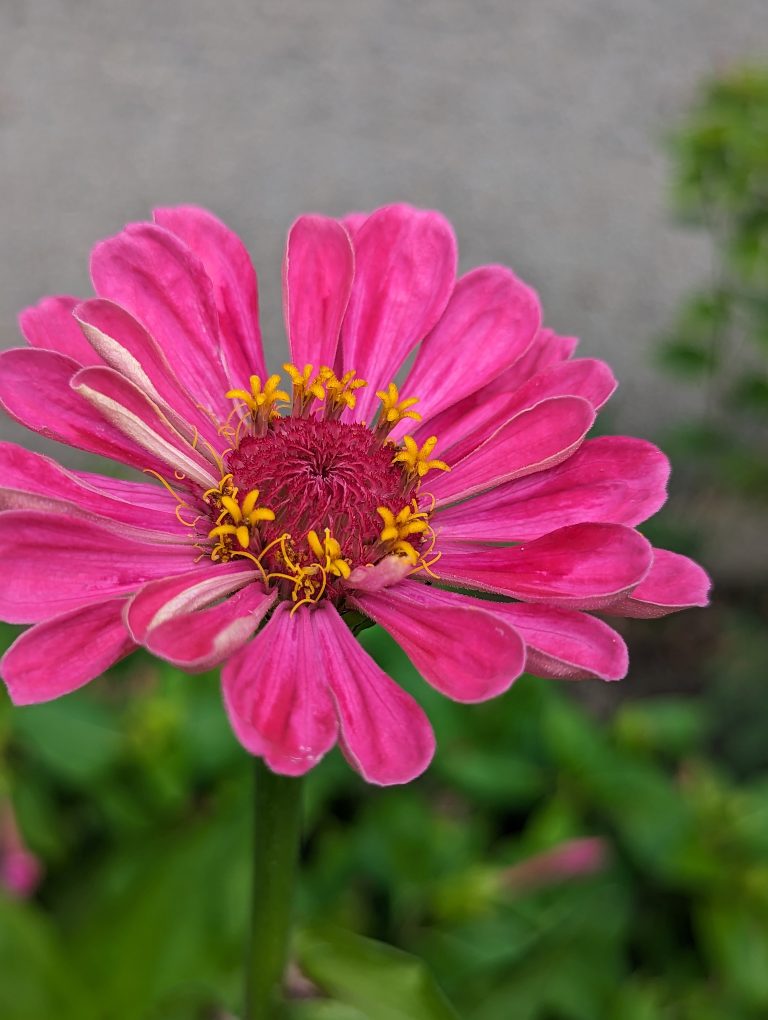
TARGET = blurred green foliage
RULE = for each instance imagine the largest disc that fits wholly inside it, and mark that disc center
(136, 796)
(719, 340)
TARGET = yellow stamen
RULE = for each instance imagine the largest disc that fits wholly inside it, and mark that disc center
(417, 459)
(244, 517)
(329, 554)
(393, 410)
(305, 388)
(260, 401)
(339, 393)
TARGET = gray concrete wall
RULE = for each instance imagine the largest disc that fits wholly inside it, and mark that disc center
(536, 125)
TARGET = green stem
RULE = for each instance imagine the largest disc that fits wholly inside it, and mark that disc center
(277, 830)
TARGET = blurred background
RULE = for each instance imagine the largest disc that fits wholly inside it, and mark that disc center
(589, 853)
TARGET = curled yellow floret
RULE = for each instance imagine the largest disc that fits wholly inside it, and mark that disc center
(339, 392)
(393, 409)
(306, 388)
(418, 460)
(329, 554)
(398, 528)
(261, 400)
(237, 521)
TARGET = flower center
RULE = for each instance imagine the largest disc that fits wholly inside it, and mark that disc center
(308, 497)
(316, 474)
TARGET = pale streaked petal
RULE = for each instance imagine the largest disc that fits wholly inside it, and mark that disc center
(51, 326)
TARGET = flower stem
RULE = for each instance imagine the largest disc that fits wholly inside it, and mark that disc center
(277, 829)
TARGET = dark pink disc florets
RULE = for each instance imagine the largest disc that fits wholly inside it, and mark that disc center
(317, 474)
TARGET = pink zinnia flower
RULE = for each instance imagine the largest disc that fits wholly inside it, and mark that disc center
(287, 505)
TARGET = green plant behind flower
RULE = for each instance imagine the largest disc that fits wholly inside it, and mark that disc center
(720, 337)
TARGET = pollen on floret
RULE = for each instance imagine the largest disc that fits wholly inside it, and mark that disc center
(394, 410)
(261, 401)
(340, 392)
(418, 460)
(237, 520)
(309, 497)
(307, 388)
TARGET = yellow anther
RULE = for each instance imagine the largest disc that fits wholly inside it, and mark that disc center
(224, 488)
(305, 388)
(243, 516)
(329, 554)
(261, 400)
(339, 392)
(398, 528)
(417, 459)
(409, 521)
(393, 410)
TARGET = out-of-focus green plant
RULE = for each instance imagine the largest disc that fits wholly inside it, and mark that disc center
(720, 337)
(136, 797)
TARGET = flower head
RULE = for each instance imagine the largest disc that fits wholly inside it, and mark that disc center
(273, 506)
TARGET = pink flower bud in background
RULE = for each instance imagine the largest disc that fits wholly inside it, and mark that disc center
(20, 870)
(574, 858)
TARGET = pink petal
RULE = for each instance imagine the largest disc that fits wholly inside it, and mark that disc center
(585, 566)
(566, 645)
(464, 426)
(60, 655)
(462, 430)
(535, 439)
(674, 583)
(126, 408)
(352, 221)
(317, 279)
(458, 644)
(547, 349)
(384, 734)
(156, 278)
(229, 268)
(582, 377)
(50, 564)
(168, 597)
(611, 479)
(51, 326)
(491, 319)
(277, 697)
(373, 577)
(64, 414)
(124, 345)
(200, 640)
(31, 481)
(405, 269)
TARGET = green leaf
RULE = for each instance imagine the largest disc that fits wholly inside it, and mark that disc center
(382, 982)
(75, 737)
(325, 1009)
(671, 725)
(736, 934)
(36, 981)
